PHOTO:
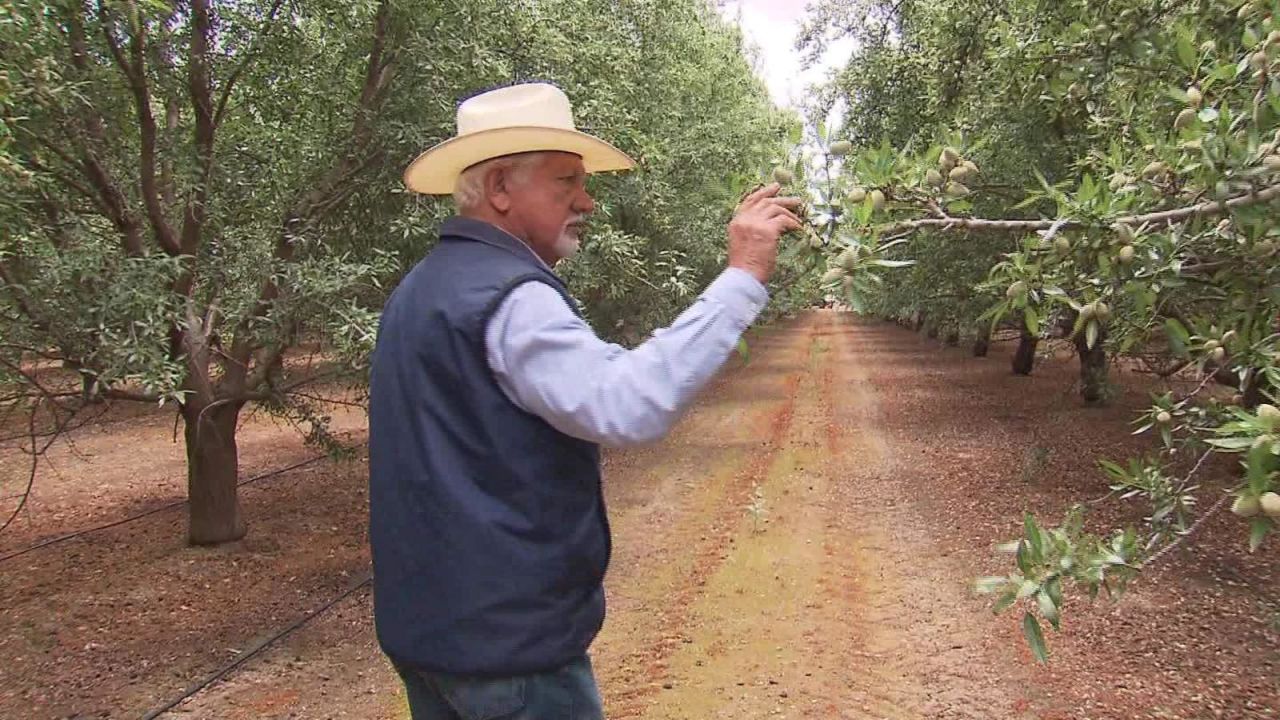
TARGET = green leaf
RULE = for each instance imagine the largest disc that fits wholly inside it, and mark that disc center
(1256, 464)
(1249, 39)
(1032, 320)
(1028, 202)
(1034, 537)
(892, 263)
(1224, 71)
(989, 584)
(1005, 602)
(1258, 529)
(864, 211)
(743, 350)
(1024, 557)
(1044, 182)
(1178, 336)
(1048, 608)
(1054, 586)
(1027, 589)
(1231, 443)
(1186, 51)
(1114, 470)
(1091, 334)
(1088, 190)
(1035, 638)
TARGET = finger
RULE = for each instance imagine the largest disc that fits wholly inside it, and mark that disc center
(775, 211)
(786, 223)
(748, 192)
(786, 201)
(767, 191)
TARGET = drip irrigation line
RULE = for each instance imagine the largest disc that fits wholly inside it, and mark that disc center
(257, 648)
(145, 513)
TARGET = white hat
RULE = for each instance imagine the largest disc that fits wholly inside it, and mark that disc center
(509, 120)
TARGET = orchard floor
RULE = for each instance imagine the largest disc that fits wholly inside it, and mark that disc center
(881, 470)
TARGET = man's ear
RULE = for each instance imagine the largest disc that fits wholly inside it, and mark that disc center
(496, 190)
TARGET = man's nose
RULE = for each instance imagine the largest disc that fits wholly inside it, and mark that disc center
(584, 204)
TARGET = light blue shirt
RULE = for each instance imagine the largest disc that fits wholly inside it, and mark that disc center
(550, 363)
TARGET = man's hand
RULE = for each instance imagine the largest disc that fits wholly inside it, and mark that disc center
(759, 221)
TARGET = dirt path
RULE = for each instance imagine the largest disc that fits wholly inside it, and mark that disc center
(822, 609)
(802, 546)
(827, 603)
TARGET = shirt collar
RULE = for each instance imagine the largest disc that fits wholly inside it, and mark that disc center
(489, 234)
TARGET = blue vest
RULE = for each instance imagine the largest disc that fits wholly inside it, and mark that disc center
(488, 526)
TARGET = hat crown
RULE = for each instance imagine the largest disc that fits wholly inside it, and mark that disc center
(531, 117)
(526, 105)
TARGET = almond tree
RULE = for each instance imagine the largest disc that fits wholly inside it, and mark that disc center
(165, 185)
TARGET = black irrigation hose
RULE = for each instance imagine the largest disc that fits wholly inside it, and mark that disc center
(145, 513)
(257, 648)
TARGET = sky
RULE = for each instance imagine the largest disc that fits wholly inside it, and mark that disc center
(772, 25)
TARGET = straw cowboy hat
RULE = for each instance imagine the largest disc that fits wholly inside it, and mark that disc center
(509, 120)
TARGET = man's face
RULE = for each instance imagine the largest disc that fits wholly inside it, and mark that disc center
(551, 205)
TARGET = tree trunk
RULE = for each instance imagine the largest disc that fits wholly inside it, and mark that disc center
(981, 344)
(1024, 358)
(1093, 368)
(932, 332)
(953, 338)
(212, 474)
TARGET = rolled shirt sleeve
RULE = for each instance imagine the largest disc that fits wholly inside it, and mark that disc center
(550, 363)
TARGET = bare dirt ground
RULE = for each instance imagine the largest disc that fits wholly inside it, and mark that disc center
(802, 546)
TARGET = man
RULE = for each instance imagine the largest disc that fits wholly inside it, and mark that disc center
(489, 399)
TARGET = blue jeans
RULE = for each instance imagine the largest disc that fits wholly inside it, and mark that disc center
(569, 693)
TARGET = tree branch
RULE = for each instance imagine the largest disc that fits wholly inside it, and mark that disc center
(31, 477)
(134, 69)
(112, 201)
(249, 57)
(22, 302)
(71, 182)
(30, 378)
(1164, 217)
(266, 359)
(113, 44)
(201, 90)
(292, 388)
(312, 205)
(105, 193)
(56, 225)
(118, 394)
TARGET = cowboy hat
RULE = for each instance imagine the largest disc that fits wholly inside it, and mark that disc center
(515, 119)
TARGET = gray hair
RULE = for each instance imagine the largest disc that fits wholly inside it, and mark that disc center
(469, 190)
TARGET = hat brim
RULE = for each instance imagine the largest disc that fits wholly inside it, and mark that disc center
(436, 171)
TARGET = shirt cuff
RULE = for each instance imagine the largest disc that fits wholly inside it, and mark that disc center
(741, 295)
